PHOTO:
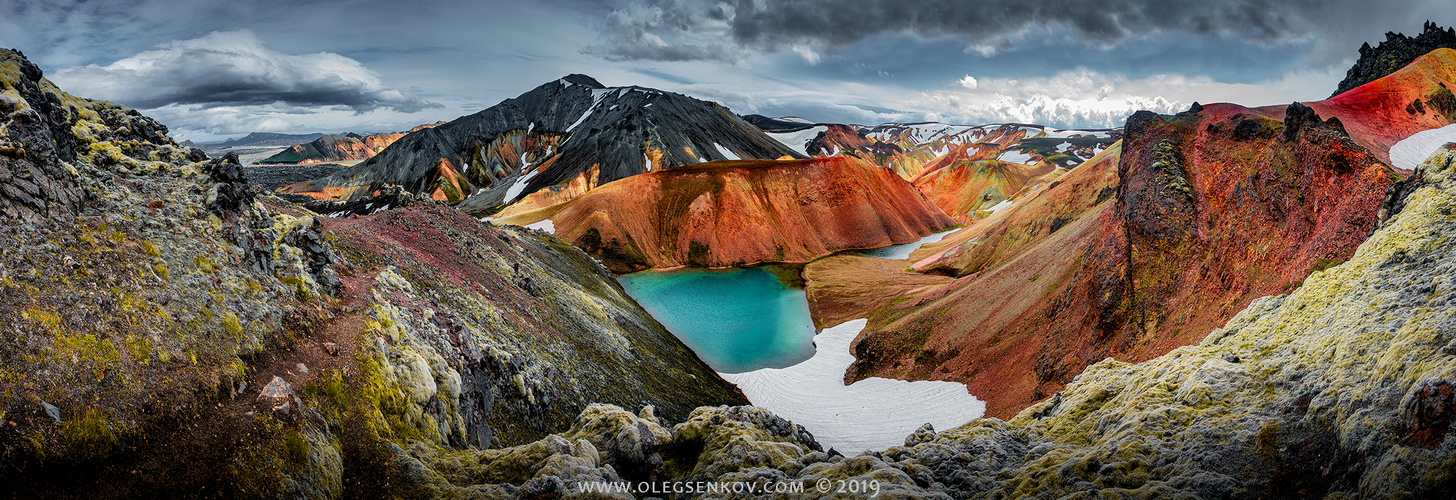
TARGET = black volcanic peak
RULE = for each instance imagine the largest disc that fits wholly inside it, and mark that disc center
(580, 79)
(1394, 53)
(554, 133)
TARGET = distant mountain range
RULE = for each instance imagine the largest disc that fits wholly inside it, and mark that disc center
(340, 147)
(262, 139)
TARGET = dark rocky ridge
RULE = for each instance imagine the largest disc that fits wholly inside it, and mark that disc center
(1394, 53)
(265, 139)
(569, 125)
(775, 125)
(321, 148)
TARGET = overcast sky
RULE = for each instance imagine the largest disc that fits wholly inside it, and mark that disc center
(214, 69)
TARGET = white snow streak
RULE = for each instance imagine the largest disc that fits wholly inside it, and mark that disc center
(725, 152)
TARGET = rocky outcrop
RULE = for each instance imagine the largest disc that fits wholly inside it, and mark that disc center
(1387, 110)
(1397, 51)
(340, 147)
(742, 213)
(1340, 389)
(551, 135)
(151, 298)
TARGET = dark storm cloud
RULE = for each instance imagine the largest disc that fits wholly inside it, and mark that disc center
(236, 69)
(682, 29)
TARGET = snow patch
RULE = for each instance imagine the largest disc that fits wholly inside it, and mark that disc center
(872, 414)
(903, 251)
(799, 141)
(544, 225)
(1411, 151)
(1015, 156)
(725, 152)
(1005, 204)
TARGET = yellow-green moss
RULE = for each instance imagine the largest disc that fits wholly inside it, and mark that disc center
(90, 434)
(299, 287)
(387, 404)
(205, 264)
(230, 324)
(294, 446)
(150, 249)
(45, 319)
(162, 271)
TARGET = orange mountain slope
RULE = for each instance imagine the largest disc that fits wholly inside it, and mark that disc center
(736, 213)
(1033, 218)
(1212, 208)
(963, 186)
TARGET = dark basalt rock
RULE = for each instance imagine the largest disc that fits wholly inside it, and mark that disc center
(1394, 53)
(35, 183)
(381, 197)
(233, 190)
(1295, 116)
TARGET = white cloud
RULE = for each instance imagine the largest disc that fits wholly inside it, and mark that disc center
(808, 54)
(235, 69)
(1087, 99)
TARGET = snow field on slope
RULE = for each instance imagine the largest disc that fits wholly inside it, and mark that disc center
(799, 141)
(872, 414)
(1411, 151)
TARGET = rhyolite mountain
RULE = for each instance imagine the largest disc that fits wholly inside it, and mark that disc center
(340, 147)
(564, 129)
(747, 212)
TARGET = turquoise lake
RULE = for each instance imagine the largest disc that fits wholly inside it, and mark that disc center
(736, 320)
